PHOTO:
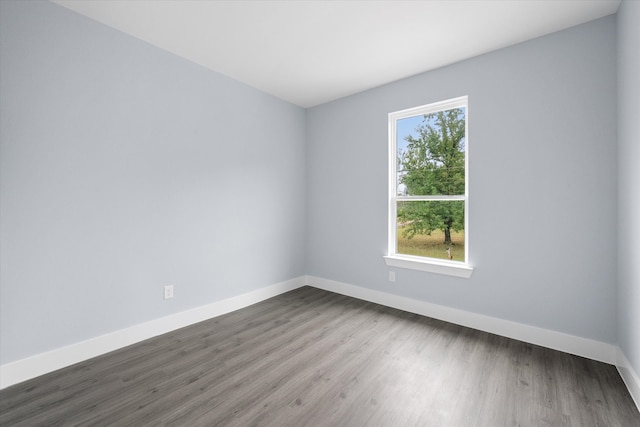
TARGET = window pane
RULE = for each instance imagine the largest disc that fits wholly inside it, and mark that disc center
(433, 229)
(431, 154)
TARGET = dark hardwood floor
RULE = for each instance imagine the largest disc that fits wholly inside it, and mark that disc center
(314, 358)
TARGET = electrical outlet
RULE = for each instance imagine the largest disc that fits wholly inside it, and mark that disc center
(392, 276)
(168, 291)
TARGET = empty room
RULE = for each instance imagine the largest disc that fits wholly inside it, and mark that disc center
(320, 213)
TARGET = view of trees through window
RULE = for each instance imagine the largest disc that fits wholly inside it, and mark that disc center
(430, 184)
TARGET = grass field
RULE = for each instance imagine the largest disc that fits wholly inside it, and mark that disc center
(431, 246)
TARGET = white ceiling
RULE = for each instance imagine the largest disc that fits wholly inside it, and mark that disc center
(312, 52)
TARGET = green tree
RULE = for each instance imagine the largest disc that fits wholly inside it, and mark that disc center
(433, 164)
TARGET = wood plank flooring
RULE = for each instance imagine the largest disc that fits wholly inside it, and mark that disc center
(314, 358)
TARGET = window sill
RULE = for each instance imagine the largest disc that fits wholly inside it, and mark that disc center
(449, 268)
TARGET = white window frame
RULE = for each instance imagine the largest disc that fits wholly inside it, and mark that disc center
(434, 265)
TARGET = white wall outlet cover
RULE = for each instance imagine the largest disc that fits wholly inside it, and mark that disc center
(168, 291)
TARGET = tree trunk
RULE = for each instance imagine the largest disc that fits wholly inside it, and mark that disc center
(447, 236)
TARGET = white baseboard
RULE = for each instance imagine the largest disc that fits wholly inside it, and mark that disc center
(31, 367)
(629, 376)
(591, 349)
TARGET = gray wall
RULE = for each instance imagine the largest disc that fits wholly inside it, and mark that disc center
(542, 147)
(629, 180)
(125, 168)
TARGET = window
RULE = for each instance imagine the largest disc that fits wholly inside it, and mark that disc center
(428, 188)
